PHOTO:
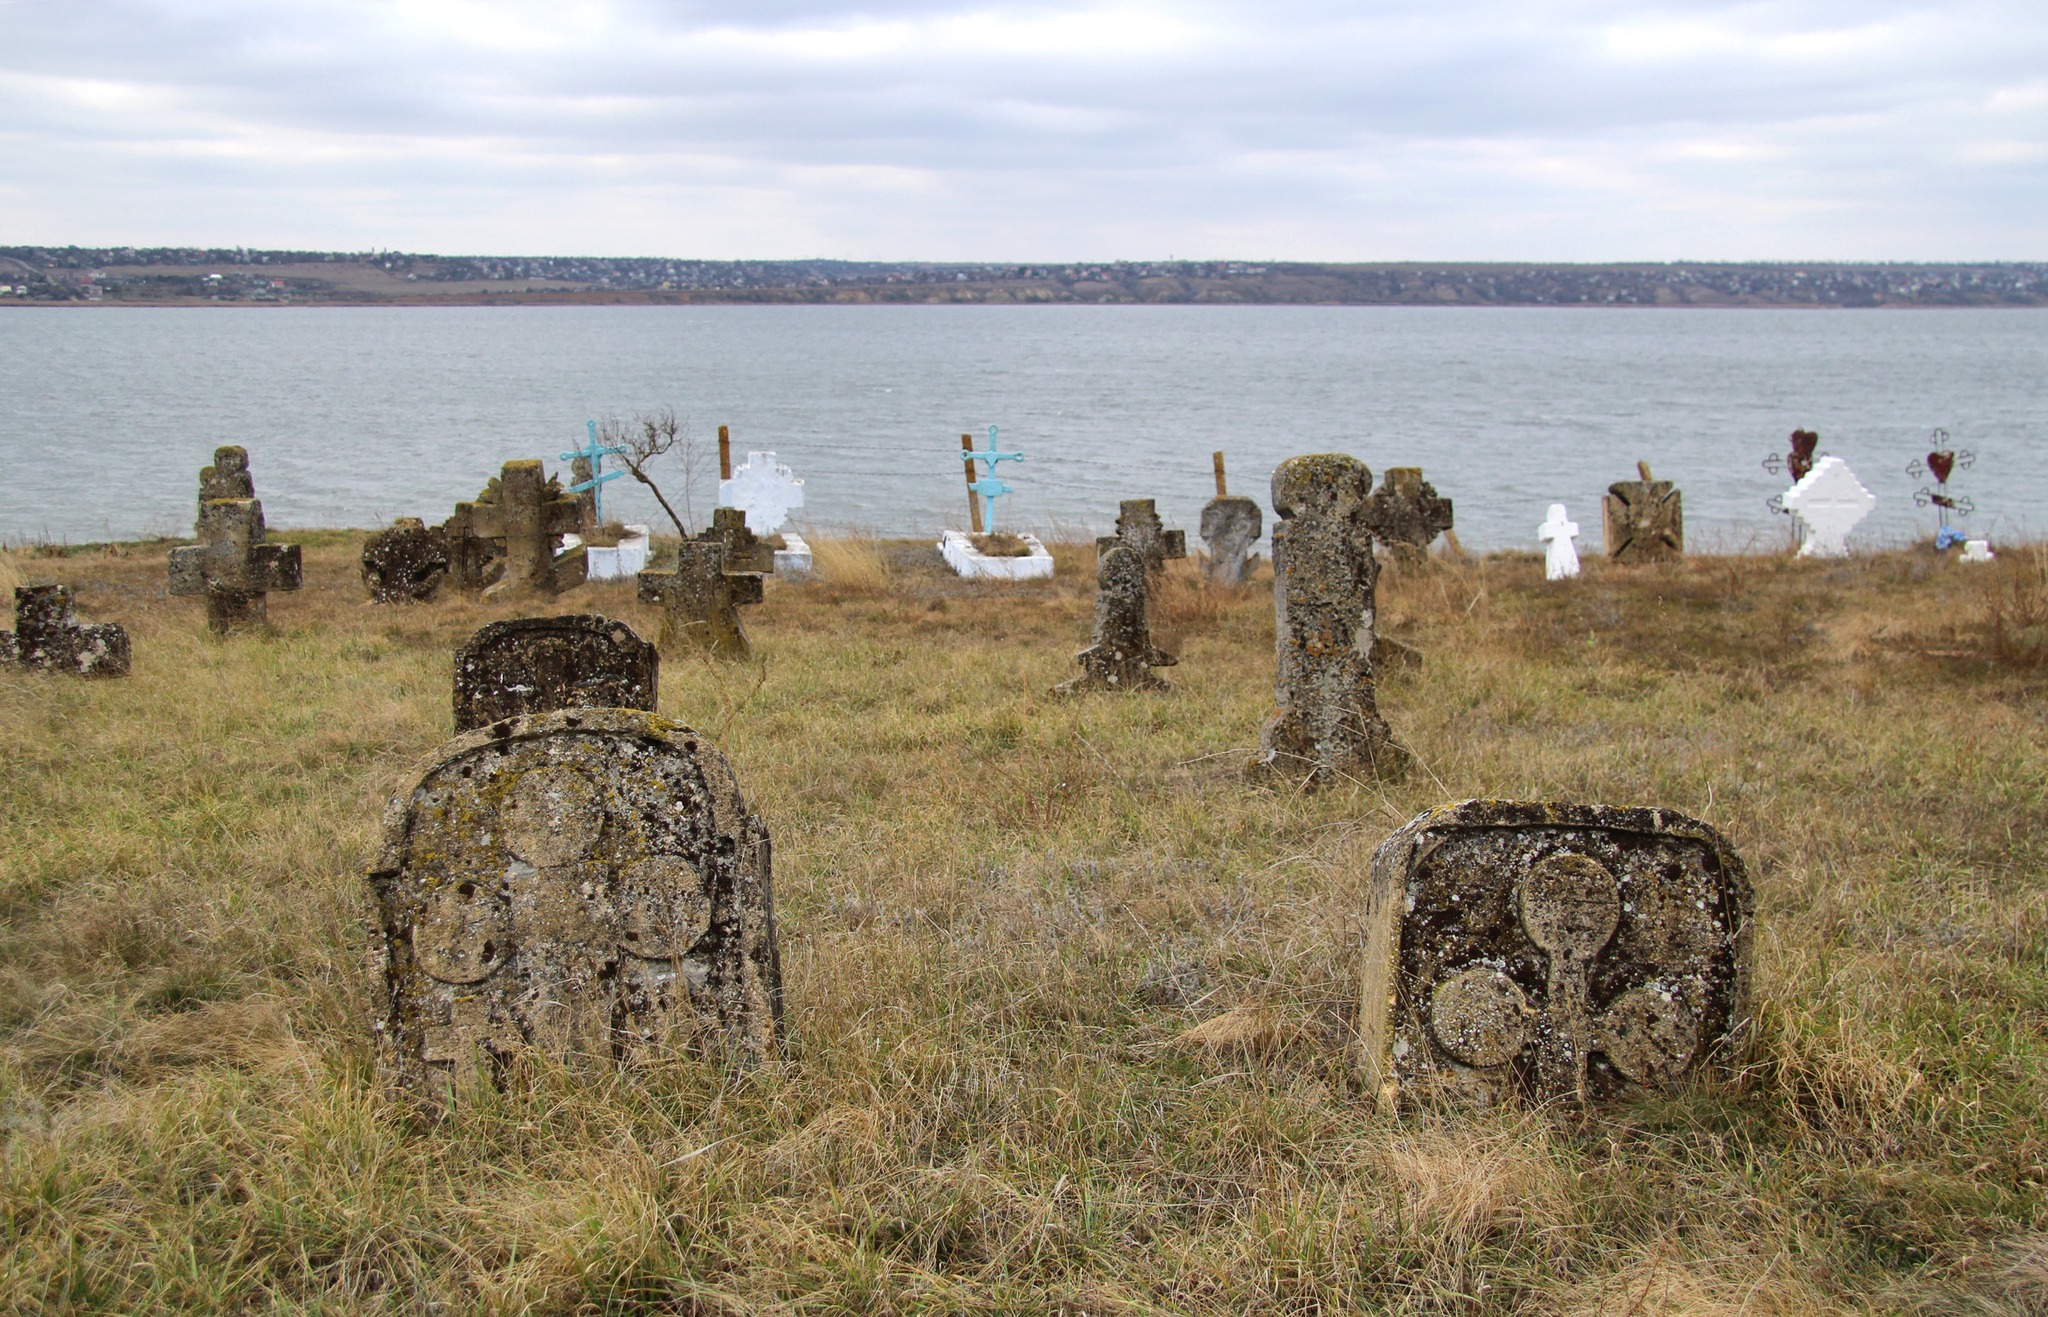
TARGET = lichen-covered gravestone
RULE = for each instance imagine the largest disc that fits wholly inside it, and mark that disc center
(535, 664)
(1327, 726)
(406, 562)
(715, 575)
(522, 516)
(585, 884)
(48, 636)
(472, 559)
(1644, 519)
(1828, 500)
(232, 565)
(1138, 527)
(1551, 952)
(1123, 655)
(1405, 513)
(700, 602)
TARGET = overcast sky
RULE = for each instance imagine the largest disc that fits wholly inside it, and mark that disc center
(908, 129)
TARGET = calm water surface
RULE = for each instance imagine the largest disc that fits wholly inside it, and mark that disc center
(354, 416)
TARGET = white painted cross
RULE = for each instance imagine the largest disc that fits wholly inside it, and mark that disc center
(1562, 558)
(1829, 500)
(763, 489)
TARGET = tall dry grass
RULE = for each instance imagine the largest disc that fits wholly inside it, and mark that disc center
(851, 563)
(1069, 998)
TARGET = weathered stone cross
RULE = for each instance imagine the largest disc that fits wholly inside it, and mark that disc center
(232, 565)
(528, 514)
(715, 575)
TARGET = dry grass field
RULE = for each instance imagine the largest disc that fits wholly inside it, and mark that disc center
(1069, 996)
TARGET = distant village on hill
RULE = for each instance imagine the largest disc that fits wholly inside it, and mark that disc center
(179, 276)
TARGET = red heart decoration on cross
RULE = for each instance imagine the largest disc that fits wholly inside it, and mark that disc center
(1941, 462)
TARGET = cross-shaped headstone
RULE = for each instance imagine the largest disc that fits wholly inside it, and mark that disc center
(764, 490)
(700, 600)
(587, 470)
(1561, 555)
(1644, 519)
(232, 565)
(471, 557)
(1138, 528)
(1327, 726)
(1123, 655)
(47, 635)
(1405, 513)
(528, 513)
(1828, 500)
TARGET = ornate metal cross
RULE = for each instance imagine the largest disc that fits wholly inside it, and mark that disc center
(990, 487)
(1940, 463)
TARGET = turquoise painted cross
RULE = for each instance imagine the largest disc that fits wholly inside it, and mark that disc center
(991, 486)
(595, 453)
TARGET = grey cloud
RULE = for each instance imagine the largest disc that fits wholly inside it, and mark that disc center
(1333, 130)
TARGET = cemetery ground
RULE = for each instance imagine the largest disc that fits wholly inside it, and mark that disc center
(1069, 998)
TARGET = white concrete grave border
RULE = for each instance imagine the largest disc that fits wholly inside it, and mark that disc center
(960, 554)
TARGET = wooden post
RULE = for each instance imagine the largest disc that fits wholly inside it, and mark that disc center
(1643, 470)
(973, 503)
(725, 452)
(1222, 490)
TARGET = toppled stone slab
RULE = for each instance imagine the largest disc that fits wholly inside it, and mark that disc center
(1123, 655)
(1405, 513)
(233, 565)
(1327, 727)
(1551, 952)
(532, 665)
(1643, 520)
(406, 562)
(48, 637)
(587, 885)
(1231, 525)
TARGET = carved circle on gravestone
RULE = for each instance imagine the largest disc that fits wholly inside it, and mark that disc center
(1650, 1034)
(551, 817)
(1480, 1017)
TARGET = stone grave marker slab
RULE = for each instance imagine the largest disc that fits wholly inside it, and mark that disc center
(1405, 512)
(1644, 520)
(1828, 500)
(48, 636)
(586, 884)
(1327, 726)
(1551, 952)
(1231, 524)
(406, 562)
(535, 664)
(1123, 655)
(1561, 554)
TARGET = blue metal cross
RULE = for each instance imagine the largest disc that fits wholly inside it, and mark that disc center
(596, 453)
(991, 487)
